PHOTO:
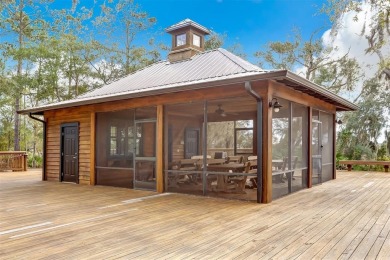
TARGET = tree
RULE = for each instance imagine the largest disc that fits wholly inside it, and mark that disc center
(123, 20)
(365, 126)
(377, 25)
(19, 28)
(314, 60)
(49, 55)
(216, 40)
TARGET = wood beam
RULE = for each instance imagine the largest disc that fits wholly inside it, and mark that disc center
(164, 99)
(280, 90)
(92, 174)
(160, 150)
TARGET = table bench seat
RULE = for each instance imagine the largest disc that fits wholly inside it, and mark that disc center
(349, 163)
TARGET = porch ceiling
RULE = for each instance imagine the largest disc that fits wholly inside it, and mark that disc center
(298, 83)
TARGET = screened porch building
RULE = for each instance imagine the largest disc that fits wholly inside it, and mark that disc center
(202, 122)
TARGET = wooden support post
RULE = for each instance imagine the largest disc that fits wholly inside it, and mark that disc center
(166, 149)
(309, 150)
(290, 145)
(92, 173)
(267, 150)
(334, 147)
(160, 150)
(25, 162)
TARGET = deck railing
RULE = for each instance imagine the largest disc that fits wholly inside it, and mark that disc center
(13, 160)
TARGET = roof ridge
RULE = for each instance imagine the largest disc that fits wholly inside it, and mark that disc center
(197, 54)
(222, 50)
(125, 76)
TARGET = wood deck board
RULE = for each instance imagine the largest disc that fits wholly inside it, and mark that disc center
(347, 218)
(337, 224)
(331, 238)
(309, 225)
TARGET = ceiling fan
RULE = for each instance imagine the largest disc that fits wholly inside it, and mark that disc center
(220, 111)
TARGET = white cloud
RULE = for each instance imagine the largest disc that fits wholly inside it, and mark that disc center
(349, 39)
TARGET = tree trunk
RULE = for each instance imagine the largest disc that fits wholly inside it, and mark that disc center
(19, 75)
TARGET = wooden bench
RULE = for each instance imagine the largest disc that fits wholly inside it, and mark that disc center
(349, 163)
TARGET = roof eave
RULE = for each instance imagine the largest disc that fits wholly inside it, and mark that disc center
(348, 106)
(179, 88)
(344, 105)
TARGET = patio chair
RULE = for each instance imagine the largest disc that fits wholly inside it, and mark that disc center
(234, 159)
(279, 177)
(240, 180)
(200, 157)
(252, 158)
(220, 155)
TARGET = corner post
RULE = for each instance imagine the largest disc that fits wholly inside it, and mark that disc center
(92, 173)
(25, 162)
(334, 146)
(160, 150)
(309, 150)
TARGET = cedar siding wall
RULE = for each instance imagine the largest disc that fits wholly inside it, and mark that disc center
(84, 115)
(53, 143)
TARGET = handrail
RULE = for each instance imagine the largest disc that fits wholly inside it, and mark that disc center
(13, 160)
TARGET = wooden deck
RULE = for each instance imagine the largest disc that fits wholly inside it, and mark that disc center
(348, 218)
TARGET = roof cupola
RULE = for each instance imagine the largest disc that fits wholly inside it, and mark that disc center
(187, 39)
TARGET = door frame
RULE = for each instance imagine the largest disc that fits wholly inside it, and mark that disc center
(197, 130)
(135, 157)
(72, 124)
(319, 152)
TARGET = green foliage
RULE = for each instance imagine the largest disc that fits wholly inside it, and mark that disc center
(214, 41)
(34, 161)
(316, 60)
(340, 157)
(360, 133)
(279, 55)
(383, 154)
(49, 55)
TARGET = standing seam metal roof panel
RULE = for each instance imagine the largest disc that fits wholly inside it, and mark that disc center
(210, 64)
(216, 67)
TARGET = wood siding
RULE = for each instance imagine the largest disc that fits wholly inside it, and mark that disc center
(53, 144)
(85, 115)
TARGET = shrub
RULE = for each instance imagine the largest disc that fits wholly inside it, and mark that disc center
(35, 161)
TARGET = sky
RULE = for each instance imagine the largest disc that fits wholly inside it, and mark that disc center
(254, 23)
(251, 23)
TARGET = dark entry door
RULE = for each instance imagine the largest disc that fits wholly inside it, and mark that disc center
(69, 152)
(191, 142)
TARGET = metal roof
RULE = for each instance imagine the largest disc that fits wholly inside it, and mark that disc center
(204, 70)
(185, 23)
(206, 65)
